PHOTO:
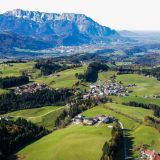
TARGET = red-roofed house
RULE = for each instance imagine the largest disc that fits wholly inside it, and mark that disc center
(157, 157)
(148, 154)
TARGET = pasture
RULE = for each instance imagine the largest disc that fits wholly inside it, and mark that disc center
(15, 69)
(74, 142)
(145, 86)
(63, 79)
(44, 116)
(136, 99)
(136, 134)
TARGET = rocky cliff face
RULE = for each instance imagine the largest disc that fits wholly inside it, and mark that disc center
(60, 29)
(38, 30)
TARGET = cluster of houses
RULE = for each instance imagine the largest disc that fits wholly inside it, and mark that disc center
(149, 155)
(107, 89)
(6, 118)
(80, 119)
(30, 88)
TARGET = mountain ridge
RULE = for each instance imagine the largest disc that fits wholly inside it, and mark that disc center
(66, 29)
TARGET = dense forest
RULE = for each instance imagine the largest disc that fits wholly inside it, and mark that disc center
(11, 102)
(8, 82)
(17, 134)
(91, 74)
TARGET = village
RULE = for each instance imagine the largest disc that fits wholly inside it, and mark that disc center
(109, 88)
(30, 88)
(80, 119)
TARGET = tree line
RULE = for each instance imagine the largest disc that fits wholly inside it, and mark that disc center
(12, 102)
(91, 74)
(48, 67)
(151, 121)
(154, 107)
(155, 71)
(111, 149)
(8, 82)
(16, 134)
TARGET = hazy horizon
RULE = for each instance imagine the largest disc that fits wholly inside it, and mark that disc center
(137, 15)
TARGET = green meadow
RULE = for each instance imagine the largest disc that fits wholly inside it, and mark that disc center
(136, 134)
(145, 86)
(44, 116)
(74, 142)
(15, 69)
(136, 99)
(65, 79)
(86, 142)
(3, 91)
(104, 76)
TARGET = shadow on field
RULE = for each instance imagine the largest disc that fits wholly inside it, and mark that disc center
(12, 157)
(129, 140)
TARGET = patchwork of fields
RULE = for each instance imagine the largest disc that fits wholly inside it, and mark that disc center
(44, 116)
(65, 79)
(86, 142)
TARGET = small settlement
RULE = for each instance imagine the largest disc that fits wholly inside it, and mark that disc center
(30, 88)
(80, 119)
(108, 88)
(149, 155)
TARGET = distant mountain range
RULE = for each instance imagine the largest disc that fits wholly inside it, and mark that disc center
(41, 30)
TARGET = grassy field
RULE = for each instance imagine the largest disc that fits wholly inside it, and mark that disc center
(74, 142)
(136, 99)
(136, 112)
(44, 116)
(15, 69)
(136, 134)
(66, 79)
(103, 76)
(144, 86)
(2, 91)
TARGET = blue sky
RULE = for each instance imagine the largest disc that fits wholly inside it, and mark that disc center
(118, 14)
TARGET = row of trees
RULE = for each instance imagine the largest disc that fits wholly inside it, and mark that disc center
(154, 107)
(11, 102)
(91, 74)
(152, 122)
(17, 134)
(8, 82)
(155, 72)
(111, 149)
(124, 70)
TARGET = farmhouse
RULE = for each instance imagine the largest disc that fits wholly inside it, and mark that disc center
(80, 119)
(30, 88)
(149, 155)
(88, 121)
